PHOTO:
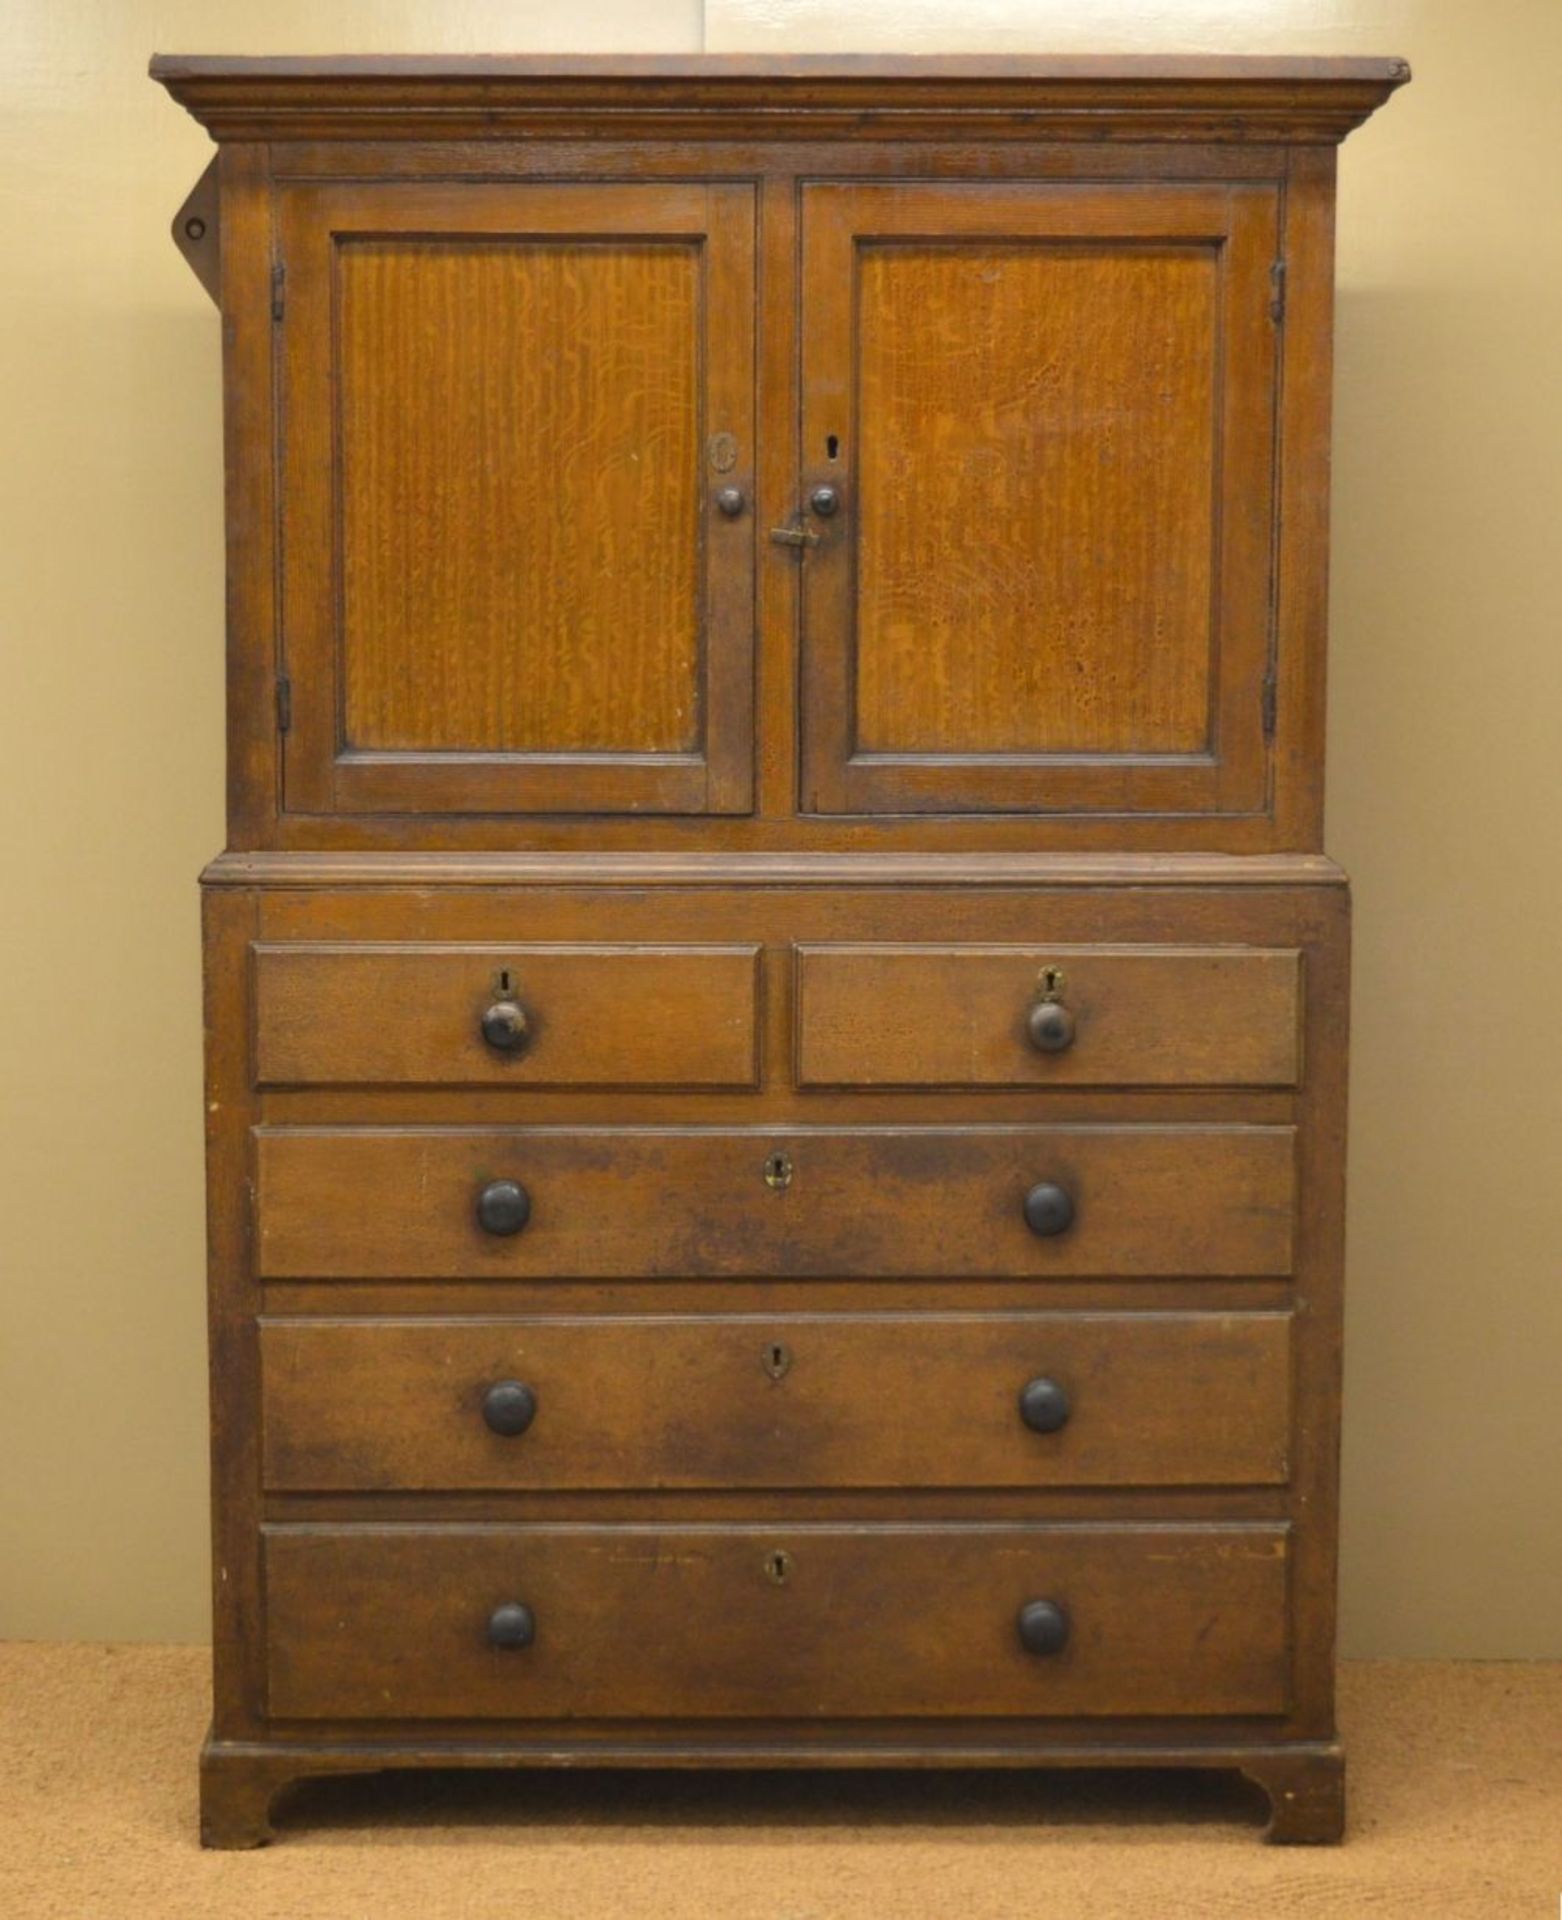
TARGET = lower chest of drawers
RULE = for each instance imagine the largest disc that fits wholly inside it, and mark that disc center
(775, 1309)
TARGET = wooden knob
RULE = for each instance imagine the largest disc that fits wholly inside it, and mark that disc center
(503, 1207)
(512, 1627)
(1050, 1026)
(1043, 1405)
(1049, 1209)
(1043, 1627)
(509, 1407)
(505, 1027)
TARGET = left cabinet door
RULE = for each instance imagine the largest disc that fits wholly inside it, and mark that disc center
(517, 449)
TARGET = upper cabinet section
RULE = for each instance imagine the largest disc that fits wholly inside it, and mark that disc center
(508, 425)
(774, 454)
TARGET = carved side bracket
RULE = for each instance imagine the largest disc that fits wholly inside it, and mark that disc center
(197, 232)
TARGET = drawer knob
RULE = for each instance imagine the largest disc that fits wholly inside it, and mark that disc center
(1043, 1405)
(503, 1207)
(509, 1407)
(1050, 1026)
(512, 1626)
(505, 1027)
(1043, 1627)
(1048, 1209)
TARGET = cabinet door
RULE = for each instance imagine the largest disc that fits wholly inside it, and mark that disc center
(507, 411)
(1047, 415)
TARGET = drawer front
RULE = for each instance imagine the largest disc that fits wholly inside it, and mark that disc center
(345, 1203)
(792, 1400)
(962, 1016)
(773, 1623)
(556, 1015)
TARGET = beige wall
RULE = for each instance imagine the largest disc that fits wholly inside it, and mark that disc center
(1446, 696)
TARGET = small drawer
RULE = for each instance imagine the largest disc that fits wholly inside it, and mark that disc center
(784, 1401)
(821, 1202)
(977, 1016)
(776, 1622)
(540, 1016)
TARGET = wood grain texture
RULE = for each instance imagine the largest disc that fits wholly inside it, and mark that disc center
(884, 1400)
(520, 462)
(365, 1203)
(390, 1623)
(596, 1016)
(956, 1016)
(1035, 430)
(507, 587)
(1048, 584)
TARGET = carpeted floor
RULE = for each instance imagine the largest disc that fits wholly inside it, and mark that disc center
(1456, 1775)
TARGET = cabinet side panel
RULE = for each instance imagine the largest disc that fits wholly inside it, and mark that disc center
(249, 460)
(229, 925)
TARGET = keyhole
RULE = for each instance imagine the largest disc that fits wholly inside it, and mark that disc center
(778, 1566)
(505, 981)
(778, 1360)
(778, 1172)
(1051, 982)
(832, 446)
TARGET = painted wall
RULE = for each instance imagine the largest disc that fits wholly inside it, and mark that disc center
(1446, 711)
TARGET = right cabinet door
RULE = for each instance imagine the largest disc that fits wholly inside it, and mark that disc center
(1038, 449)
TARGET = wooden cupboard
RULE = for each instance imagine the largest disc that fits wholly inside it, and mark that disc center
(776, 1016)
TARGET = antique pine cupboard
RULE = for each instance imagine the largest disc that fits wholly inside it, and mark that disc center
(776, 1015)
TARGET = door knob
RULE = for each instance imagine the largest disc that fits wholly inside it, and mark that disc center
(824, 501)
(731, 502)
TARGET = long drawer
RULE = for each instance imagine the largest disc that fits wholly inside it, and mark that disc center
(541, 1015)
(381, 1622)
(1007, 1016)
(790, 1400)
(684, 1202)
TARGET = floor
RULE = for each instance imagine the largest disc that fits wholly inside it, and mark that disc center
(1456, 1815)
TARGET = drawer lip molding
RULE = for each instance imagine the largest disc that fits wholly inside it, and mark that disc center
(953, 1014)
(693, 1621)
(789, 1400)
(294, 869)
(599, 1014)
(398, 1203)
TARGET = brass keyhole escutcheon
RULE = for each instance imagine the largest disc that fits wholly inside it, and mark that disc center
(778, 1172)
(777, 1360)
(1050, 983)
(778, 1566)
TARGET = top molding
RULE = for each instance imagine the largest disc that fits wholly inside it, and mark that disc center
(719, 97)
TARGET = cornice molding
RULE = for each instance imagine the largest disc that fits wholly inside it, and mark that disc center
(715, 97)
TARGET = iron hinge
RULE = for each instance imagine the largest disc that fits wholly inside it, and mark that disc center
(284, 703)
(1269, 698)
(278, 289)
(1277, 292)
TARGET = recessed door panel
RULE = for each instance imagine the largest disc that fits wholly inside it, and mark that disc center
(509, 585)
(1045, 416)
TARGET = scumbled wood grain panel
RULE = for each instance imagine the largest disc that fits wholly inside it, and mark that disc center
(520, 519)
(1036, 464)
(784, 1400)
(872, 1621)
